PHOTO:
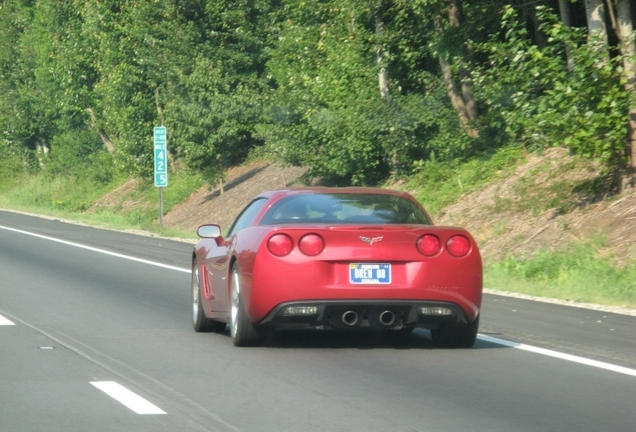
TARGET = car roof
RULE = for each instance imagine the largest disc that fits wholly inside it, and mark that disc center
(332, 190)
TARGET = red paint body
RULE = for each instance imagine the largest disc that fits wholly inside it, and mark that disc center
(268, 281)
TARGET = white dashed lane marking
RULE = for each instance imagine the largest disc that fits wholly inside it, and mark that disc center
(4, 321)
(127, 398)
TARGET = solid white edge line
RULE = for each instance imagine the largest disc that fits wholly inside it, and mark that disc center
(127, 398)
(128, 257)
(5, 322)
(559, 355)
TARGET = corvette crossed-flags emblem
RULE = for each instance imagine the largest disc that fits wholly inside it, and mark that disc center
(371, 241)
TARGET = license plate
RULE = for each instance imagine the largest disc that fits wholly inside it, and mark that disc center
(370, 273)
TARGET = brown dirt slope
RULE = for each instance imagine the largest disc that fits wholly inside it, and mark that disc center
(242, 184)
(525, 212)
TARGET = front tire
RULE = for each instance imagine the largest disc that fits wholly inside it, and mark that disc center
(200, 322)
(242, 330)
(456, 336)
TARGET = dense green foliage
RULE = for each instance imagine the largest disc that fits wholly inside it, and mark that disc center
(540, 103)
(298, 81)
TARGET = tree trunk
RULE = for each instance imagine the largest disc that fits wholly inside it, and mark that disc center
(467, 94)
(162, 119)
(42, 148)
(455, 18)
(632, 142)
(464, 102)
(625, 32)
(625, 29)
(565, 11)
(107, 142)
(539, 36)
(597, 30)
(456, 99)
(383, 74)
(159, 110)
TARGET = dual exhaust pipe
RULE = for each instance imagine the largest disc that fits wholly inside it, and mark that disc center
(352, 318)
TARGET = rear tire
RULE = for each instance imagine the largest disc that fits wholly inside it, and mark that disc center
(200, 322)
(242, 330)
(456, 336)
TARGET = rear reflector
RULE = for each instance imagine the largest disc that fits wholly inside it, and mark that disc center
(280, 244)
(435, 311)
(300, 310)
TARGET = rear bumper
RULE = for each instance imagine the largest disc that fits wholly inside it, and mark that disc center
(378, 314)
(274, 282)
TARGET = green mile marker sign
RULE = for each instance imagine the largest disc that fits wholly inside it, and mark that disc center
(161, 156)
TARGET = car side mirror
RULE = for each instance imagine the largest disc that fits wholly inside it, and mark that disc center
(209, 231)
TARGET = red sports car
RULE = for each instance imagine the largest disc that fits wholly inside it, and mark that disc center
(344, 258)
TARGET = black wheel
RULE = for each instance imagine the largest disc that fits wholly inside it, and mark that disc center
(456, 336)
(242, 330)
(200, 322)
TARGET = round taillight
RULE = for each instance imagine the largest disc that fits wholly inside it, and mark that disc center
(311, 244)
(429, 245)
(279, 244)
(458, 245)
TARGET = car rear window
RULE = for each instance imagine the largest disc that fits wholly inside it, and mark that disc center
(345, 209)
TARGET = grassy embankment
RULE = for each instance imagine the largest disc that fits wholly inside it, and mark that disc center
(576, 272)
(73, 198)
(579, 271)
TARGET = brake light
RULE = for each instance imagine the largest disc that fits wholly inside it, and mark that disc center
(311, 244)
(429, 245)
(279, 244)
(458, 246)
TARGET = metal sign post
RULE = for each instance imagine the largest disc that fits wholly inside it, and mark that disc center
(161, 164)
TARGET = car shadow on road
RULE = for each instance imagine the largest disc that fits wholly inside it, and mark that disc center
(363, 340)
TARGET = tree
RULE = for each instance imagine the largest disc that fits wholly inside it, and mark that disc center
(139, 49)
(565, 10)
(597, 31)
(381, 54)
(625, 32)
(543, 104)
(31, 91)
(15, 128)
(455, 54)
(218, 98)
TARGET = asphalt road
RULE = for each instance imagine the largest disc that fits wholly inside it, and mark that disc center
(76, 322)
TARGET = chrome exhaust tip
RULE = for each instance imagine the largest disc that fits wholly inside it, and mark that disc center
(350, 318)
(387, 318)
